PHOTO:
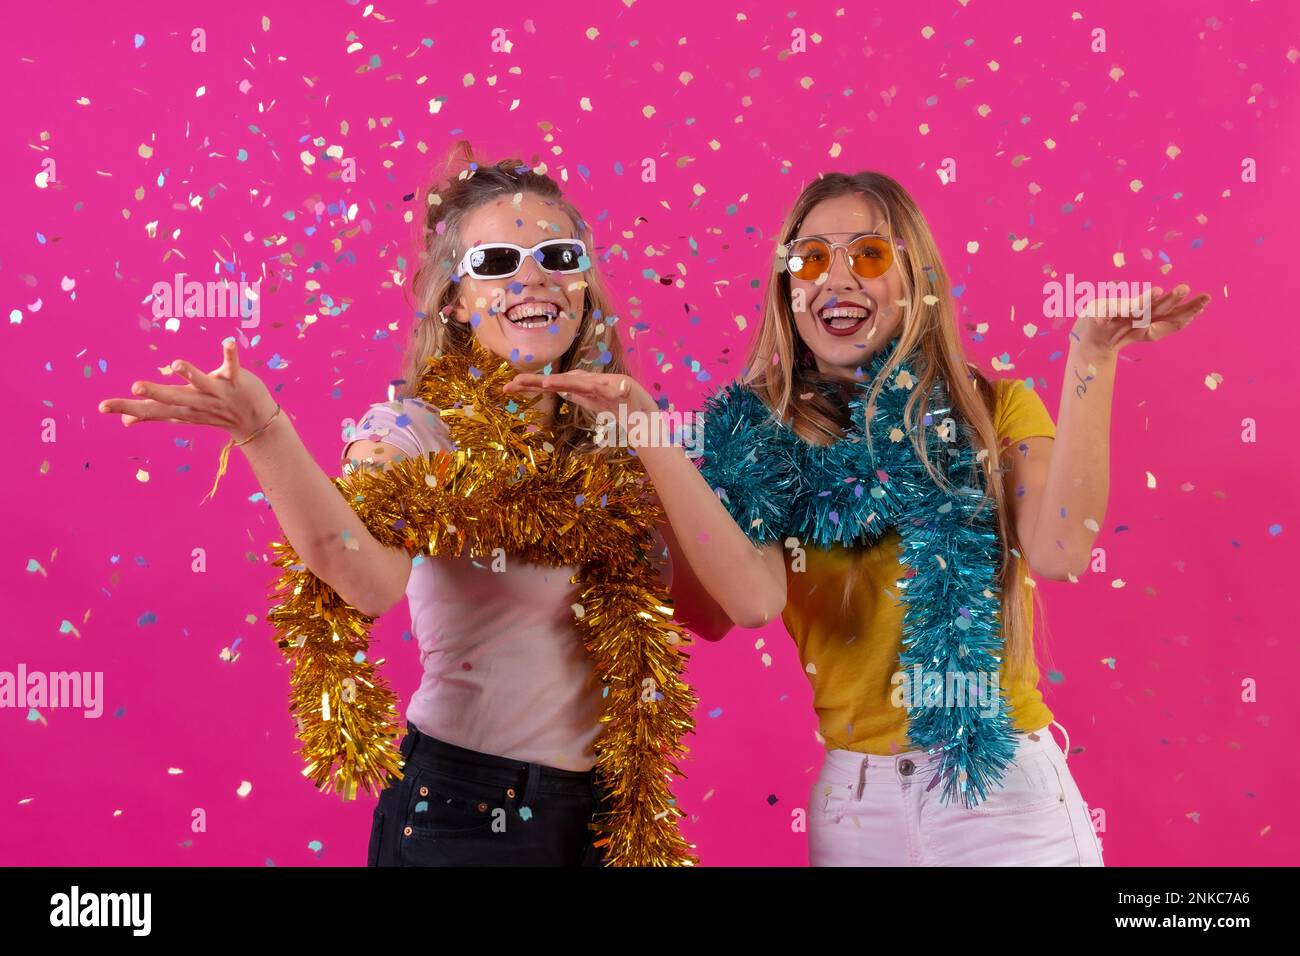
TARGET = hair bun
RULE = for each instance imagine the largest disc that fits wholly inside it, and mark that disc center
(460, 160)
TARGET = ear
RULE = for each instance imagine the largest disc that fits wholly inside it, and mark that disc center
(458, 311)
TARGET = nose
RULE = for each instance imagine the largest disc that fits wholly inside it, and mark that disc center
(839, 275)
(531, 273)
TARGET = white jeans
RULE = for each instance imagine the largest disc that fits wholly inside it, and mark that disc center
(870, 810)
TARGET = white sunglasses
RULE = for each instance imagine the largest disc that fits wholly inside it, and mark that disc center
(501, 260)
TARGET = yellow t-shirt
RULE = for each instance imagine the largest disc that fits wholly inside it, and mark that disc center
(850, 658)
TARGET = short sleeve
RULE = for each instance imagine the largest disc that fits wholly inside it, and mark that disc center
(1020, 413)
(408, 424)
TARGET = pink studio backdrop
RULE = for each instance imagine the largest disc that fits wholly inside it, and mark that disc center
(169, 160)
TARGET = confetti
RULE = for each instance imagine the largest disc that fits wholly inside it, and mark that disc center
(687, 246)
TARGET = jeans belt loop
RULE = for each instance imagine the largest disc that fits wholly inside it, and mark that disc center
(1067, 737)
(409, 741)
(862, 777)
(530, 785)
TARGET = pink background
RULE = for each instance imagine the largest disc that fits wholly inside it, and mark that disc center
(1186, 772)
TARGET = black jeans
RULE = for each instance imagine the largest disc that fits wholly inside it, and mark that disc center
(459, 807)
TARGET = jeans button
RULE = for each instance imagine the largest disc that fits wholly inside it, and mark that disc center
(906, 767)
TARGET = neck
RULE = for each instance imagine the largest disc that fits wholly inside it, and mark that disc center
(859, 372)
(545, 403)
(842, 373)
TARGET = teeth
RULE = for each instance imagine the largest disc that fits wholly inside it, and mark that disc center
(844, 316)
(532, 315)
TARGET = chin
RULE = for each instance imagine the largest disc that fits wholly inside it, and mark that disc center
(532, 357)
(844, 360)
(527, 351)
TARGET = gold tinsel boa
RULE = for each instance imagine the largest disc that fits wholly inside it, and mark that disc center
(505, 487)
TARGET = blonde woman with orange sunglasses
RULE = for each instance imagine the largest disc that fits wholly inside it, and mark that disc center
(897, 503)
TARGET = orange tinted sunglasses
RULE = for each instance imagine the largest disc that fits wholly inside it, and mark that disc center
(810, 257)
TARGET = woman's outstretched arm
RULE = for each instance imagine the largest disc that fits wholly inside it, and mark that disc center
(327, 535)
(1058, 489)
(746, 582)
(723, 571)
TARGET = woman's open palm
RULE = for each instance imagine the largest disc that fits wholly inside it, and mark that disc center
(230, 398)
(1108, 324)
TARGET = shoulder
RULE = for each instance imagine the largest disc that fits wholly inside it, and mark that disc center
(730, 394)
(736, 422)
(420, 415)
(408, 423)
(733, 404)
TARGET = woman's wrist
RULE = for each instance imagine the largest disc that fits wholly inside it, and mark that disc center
(244, 434)
(1085, 344)
(1092, 353)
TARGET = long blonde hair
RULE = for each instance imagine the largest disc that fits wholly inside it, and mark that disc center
(469, 184)
(814, 405)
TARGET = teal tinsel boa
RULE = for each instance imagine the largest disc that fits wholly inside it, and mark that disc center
(777, 486)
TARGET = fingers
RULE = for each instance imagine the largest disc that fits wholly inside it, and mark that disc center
(1193, 305)
(524, 381)
(133, 411)
(1177, 299)
(1175, 324)
(1153, 305)
(1164, 304)
(1158, 330)
(585, 388)
(200, 380)
(230, 356)
(172, 394)
(1104, 310)
(157, 402)
(574, 377)
(592, 390)
(1174, 313)
(574, 381)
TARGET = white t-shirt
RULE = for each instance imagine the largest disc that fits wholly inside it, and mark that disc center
(505, 671)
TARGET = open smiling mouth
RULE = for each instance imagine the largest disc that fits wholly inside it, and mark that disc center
(844, 319)
(532, 315)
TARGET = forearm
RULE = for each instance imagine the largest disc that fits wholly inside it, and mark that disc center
(1073, 504)
(693, 606)
(724, 561)
(326, 534)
